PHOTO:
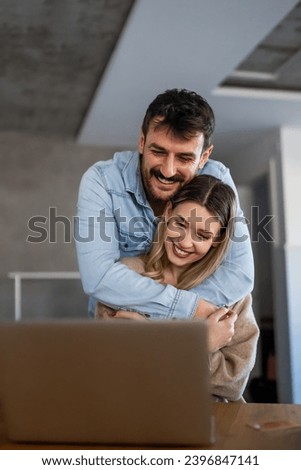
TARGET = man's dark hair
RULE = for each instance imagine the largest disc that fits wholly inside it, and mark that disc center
(183, 112)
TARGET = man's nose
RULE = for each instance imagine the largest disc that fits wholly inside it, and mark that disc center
(168, 168)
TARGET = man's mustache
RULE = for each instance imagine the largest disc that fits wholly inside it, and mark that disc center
(173, 179)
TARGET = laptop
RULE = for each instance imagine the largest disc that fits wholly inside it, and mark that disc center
(109, 382)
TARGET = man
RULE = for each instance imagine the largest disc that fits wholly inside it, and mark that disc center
(120, 200)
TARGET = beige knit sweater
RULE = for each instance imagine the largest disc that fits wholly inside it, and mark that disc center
(231, 365)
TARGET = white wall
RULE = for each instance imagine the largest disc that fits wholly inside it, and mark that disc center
(278, 154)
(274, 155)
(291, 171)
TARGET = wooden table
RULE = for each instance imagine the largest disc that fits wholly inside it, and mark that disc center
(233, 429)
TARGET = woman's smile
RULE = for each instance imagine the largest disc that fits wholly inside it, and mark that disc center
(180, 252)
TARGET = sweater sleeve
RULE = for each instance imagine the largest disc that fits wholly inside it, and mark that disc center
(230, 366)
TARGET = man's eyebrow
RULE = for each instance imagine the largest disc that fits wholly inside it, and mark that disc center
(158, 147)
(187, 154)
(184, 154)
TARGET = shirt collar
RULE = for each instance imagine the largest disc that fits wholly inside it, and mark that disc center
(132, 178)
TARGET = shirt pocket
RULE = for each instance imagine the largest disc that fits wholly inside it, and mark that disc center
(131, 244)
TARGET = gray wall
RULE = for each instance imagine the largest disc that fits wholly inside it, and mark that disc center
(35, 174)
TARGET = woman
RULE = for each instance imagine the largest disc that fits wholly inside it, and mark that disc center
(190, 242)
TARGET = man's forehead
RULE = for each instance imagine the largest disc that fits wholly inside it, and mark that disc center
(157, 125)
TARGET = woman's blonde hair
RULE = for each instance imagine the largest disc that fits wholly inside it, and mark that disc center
(219, 199)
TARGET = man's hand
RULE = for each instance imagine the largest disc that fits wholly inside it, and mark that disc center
(220, 328)
(104, 312)
(204, 309)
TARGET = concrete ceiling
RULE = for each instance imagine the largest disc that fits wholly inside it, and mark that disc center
(53, 54)
(275, 63)
(87, 69)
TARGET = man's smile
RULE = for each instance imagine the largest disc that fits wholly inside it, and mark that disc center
(162, 179)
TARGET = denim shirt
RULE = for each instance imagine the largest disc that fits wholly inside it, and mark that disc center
(114, 220)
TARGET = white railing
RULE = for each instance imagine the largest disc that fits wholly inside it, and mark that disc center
(19, 276)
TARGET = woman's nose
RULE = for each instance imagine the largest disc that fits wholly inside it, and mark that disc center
(186, 240)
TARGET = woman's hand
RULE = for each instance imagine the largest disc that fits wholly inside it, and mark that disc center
(220, 328)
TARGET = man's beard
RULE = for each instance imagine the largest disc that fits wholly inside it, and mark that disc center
(152, 192)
